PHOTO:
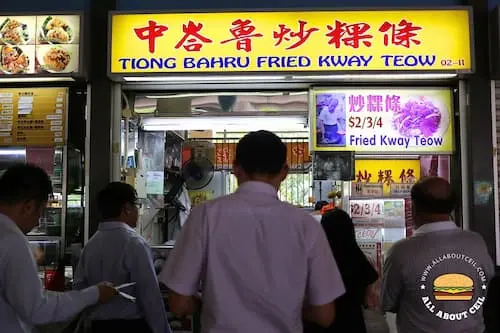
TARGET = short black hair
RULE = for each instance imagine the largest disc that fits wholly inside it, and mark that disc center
(433, 195)
(113, 197)
(24, 182)
(261, 152)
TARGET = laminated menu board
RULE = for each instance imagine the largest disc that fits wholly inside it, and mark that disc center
(43, 44)
(33, 116)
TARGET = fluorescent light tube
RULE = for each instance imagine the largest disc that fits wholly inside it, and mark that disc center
(228, 123)
(204, 78)
(409, 76)
(36, 79)
(7, 152)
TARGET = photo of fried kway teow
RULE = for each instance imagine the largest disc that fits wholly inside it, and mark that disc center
(13, 32)
(56, 31)
(56, 59)
(13, 60)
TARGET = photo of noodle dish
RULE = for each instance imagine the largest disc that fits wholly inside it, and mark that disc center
(55, 60)
(420, 116)
(14, 32)
(55, 30)
(13, 60)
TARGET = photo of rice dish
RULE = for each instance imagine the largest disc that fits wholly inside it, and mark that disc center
(13, 60)
(418, 117)
(56, 31)
(56, 59)
(14, 32)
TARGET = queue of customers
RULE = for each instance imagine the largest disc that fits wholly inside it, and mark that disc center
(249, 261)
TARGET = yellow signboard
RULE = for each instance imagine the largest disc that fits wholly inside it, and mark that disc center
(382, 120)
(387, 172)
(33, 116)
(234, 42)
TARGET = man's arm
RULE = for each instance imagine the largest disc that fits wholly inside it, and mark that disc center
(324, 283)
(140, 265)
(79, 280)
(392, 282)
(24, 292)
(185, 264)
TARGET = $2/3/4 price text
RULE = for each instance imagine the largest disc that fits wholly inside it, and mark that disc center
(366, 208)
(365, 122)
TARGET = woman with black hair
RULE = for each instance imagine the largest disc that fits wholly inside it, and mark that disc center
(357, 274)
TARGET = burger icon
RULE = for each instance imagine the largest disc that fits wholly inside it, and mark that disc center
(453, 287)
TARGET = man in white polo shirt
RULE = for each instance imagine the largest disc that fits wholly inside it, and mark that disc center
(436, 281)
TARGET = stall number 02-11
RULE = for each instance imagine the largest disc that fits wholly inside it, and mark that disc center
(366, 208)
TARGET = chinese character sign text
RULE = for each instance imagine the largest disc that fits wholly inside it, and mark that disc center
(294, 41)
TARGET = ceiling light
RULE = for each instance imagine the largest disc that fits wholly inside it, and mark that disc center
(245, 123)
(214, 78)
(36, 79)
(375, 77)
(216, 94)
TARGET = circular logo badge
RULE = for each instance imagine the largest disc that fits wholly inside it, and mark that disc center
(453, 287)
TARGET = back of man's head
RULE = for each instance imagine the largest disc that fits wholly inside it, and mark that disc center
(261, 153)
(433, 196)
(24, 182)
(112, 199)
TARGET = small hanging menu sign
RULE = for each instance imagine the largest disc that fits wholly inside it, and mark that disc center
(33, 116)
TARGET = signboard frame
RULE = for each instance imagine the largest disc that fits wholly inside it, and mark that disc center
(312, 120)
(80, 74)
(119, 76)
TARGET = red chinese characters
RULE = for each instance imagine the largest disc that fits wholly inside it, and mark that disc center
(385, 177)
(407, 176)
(363, 177)
(352, 35)
(286, 34)
(243, 31)
(152, 31)
(193, 40)
(404, 33)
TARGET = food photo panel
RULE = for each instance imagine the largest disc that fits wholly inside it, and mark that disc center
(17, 30)
(18, 59)
(58, 29)
(57, 58)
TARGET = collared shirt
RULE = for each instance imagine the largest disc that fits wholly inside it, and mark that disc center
(414, 271)
(23, 301)
(258, 260)
(116, 253)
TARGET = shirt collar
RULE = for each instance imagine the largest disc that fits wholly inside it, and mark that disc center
(436, 226)
(111, 225)
(10, 224)
(256, 187)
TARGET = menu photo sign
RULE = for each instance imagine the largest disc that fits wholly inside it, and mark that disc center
(291, 41)
(33, 116)
(382, 120)
(41, 44)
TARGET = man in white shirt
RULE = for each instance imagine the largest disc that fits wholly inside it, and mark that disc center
(24, 190)
(118, 254)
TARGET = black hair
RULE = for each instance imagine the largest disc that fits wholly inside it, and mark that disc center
(320, 204)
(426, 202)
(24, 182)
(261, 152)
(114, 197)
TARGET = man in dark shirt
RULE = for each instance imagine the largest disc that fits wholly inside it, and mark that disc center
(436, 281)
